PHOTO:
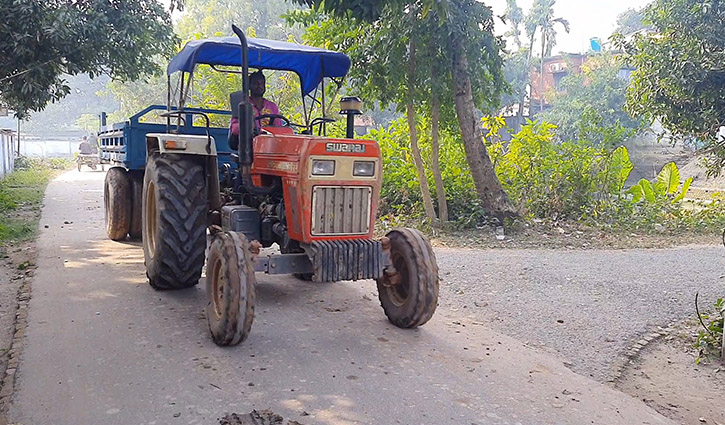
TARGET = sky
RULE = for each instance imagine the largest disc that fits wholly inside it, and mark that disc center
(587, 19)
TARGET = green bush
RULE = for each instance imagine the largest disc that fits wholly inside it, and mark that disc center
(400, 194)
(547, 179)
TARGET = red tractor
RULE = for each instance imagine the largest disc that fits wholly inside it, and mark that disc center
(313, 196)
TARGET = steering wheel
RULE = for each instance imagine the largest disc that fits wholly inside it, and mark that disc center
(319, 121)
(273, 117)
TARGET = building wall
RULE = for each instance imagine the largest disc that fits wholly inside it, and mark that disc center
(555, 68)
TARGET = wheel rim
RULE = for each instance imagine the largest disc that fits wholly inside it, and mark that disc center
(399, 293)
(218, 282)
(150, 234)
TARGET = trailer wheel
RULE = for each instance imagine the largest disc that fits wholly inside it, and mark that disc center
(409, 297)
(134, 230)
(117, 203)
(173, 224)
(230, 285)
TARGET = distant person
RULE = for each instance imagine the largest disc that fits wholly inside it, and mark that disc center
(85, 147)
(93, 141)
(262, 106)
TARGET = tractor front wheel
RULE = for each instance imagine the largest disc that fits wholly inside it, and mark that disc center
(409, 292)
(173, 224)
(117, 203)
(230, 286)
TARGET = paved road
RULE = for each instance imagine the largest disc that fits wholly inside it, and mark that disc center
(102, 347)
(586, 306)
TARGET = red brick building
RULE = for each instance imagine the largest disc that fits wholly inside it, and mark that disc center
(555, 68)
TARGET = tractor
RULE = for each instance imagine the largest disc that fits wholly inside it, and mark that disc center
(313, 196)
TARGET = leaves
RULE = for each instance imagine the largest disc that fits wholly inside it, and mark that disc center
(42, 40)
(678, 76)
(621, 167)
(647, 190)
(669, 177)
(683, 191)
(666, 187)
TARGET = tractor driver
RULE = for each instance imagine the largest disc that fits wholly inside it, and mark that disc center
(262, 106)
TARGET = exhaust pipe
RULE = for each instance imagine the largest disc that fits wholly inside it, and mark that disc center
(246, 127)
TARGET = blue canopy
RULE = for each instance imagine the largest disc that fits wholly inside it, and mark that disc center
(309, 63)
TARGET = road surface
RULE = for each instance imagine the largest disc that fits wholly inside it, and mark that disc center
(102, 347)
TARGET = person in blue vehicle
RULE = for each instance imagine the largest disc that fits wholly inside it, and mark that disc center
(262, 106)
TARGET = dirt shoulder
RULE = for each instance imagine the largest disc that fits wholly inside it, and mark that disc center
(21, 197)
(664, 375)
(570, 236)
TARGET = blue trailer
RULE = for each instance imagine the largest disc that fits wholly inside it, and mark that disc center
(123, 146)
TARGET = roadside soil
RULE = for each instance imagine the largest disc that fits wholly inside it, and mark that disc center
(666, 378)
(571, 236)
(17, 264)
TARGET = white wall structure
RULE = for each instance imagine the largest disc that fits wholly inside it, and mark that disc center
(7, 151)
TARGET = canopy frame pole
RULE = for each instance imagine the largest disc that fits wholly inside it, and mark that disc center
(324, 125)
(168, 102)
(304, 106)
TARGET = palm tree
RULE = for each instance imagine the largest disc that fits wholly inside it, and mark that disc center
(541, 18)
(515, 16)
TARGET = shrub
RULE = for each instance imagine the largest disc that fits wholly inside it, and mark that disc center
(547, 179)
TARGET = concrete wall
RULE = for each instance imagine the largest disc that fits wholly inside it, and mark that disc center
(7, 151)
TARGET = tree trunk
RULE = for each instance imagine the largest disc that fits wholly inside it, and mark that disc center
(493, 198)
(412, 128)
(520, 117)
(541, 72)
(435, 154)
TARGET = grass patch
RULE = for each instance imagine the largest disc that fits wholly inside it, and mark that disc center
(21, 194)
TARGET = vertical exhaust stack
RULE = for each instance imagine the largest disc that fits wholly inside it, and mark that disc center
(246, 127)
(351, 106)
(246, 111)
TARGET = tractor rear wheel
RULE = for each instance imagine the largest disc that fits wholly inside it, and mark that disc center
(134, 230)
(117, 203)
(409, 297)
(174, 221)
(230, 285)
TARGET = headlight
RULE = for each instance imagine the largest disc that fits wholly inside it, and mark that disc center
(363, 168)
(323, 167)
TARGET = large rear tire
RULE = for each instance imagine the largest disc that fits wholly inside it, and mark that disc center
(230, 285)
(174, 221)
(409, 298)
(135, 227)
(117, 203)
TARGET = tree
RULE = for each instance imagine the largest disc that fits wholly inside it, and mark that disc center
(466, 29)
(590, 105)
(679, 77)
(43, 40)
(515, 17)
(402, 76)
(214, 17)
(541, 17)
(630, 21)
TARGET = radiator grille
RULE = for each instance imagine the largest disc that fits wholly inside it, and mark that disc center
(341, 210)
(333, 261)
